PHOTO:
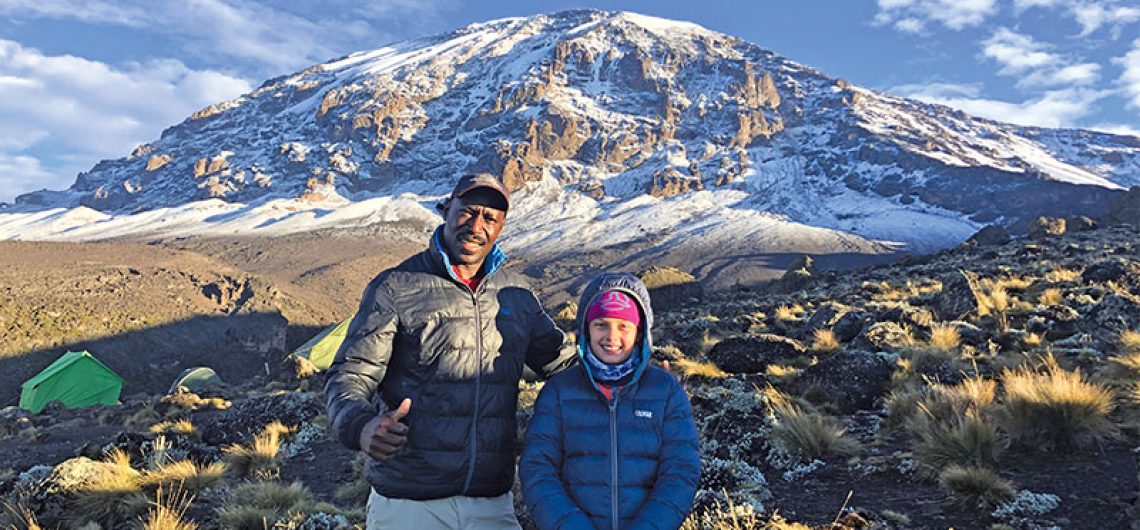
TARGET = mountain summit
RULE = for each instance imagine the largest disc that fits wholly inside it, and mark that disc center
(654, 130)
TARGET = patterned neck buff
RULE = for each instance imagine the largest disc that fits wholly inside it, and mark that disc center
(612, 372)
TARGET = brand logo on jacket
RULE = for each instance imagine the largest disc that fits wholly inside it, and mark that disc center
(643, 413)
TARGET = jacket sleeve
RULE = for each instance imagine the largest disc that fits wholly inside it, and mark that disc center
(361, 363)
(540, 468)
(679, 471)
(550, 350)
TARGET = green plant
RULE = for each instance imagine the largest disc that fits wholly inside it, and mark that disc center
(976, 485)
(1055, 407)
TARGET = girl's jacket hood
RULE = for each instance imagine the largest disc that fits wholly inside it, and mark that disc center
(628, 284)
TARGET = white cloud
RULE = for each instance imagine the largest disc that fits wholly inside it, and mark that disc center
(1055, 108)
(954, 14)
(276, 38)
(1091, 16)
(90, 109)
(1083, 74)
(20, 174)
(1116, 128)
(1130, 78)
(1017, 53)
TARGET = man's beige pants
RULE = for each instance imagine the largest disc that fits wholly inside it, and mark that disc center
(451, 513)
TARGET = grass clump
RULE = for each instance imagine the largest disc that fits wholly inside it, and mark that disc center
(259, 505)
(259, 458)
(179, 428)
(807, 433)
(788, 313)
(1051, 297)
(114, 496)
(1055, 407)
(823, 341)
(994, 300)
(944, 337)
(976, 485)
(189, 475)
(167, 512)
(952, 425)
(689, 368)
(1062, 275)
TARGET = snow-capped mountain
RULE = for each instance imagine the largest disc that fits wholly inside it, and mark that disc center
(670, 140)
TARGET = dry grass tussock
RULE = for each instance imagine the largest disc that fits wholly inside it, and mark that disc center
(782, 372)
(259, 458)
(994, 300)
(179, 427)
(944, 337)
(187, 474)
(689, 368)
(952, 425)
(732, 516)
(1055, 407)
(1130, 341)
(259, 505)
(789, 313)
(167, 511)
(1124, 367)
(1051, 297)
(977, 486)
(805, 432)
(19, 517)
(823, 340)
(1062, 275)
(114, 497)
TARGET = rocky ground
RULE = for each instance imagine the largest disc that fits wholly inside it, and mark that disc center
(993, 385)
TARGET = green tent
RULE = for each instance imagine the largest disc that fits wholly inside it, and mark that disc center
(321, 350)
(77, 379)
(195, 378)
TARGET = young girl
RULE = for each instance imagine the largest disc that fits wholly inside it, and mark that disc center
(612, 444)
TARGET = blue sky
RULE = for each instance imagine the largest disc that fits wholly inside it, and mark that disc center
(84, 80)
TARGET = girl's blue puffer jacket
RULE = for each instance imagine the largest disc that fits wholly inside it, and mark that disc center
(628, 463)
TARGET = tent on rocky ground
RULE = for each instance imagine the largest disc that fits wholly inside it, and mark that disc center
(195, 379)
(76, 379)
(321, 349)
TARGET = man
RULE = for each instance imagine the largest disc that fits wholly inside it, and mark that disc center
(441, 340)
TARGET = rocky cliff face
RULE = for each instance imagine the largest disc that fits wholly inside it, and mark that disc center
(615, 106)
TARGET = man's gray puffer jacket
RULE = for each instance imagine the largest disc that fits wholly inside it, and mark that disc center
(420, 333)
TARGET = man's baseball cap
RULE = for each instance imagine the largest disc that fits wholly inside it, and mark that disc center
(472, 181)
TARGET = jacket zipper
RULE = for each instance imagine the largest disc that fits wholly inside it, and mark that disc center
(475, 408)
(614, 460)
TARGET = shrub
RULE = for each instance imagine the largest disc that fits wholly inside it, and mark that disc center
(809, 434)
(823, 340)
(1055, 407)
(976, 485)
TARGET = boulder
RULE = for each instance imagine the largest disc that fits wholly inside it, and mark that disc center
(1123, 272)
(826, 317)
(1116, 313)
(798, 276)
(886, 336)
(753, 353)
(958, 298)
(1054, 322)
(1125, 208)
(991, 235)
(850, 325)
(851, 380)
(1044, 227)
(970, 334)
(669, 288)
(1080, 223)
(908, 315)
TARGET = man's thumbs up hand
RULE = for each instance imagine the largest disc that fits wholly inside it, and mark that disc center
(384, 435)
